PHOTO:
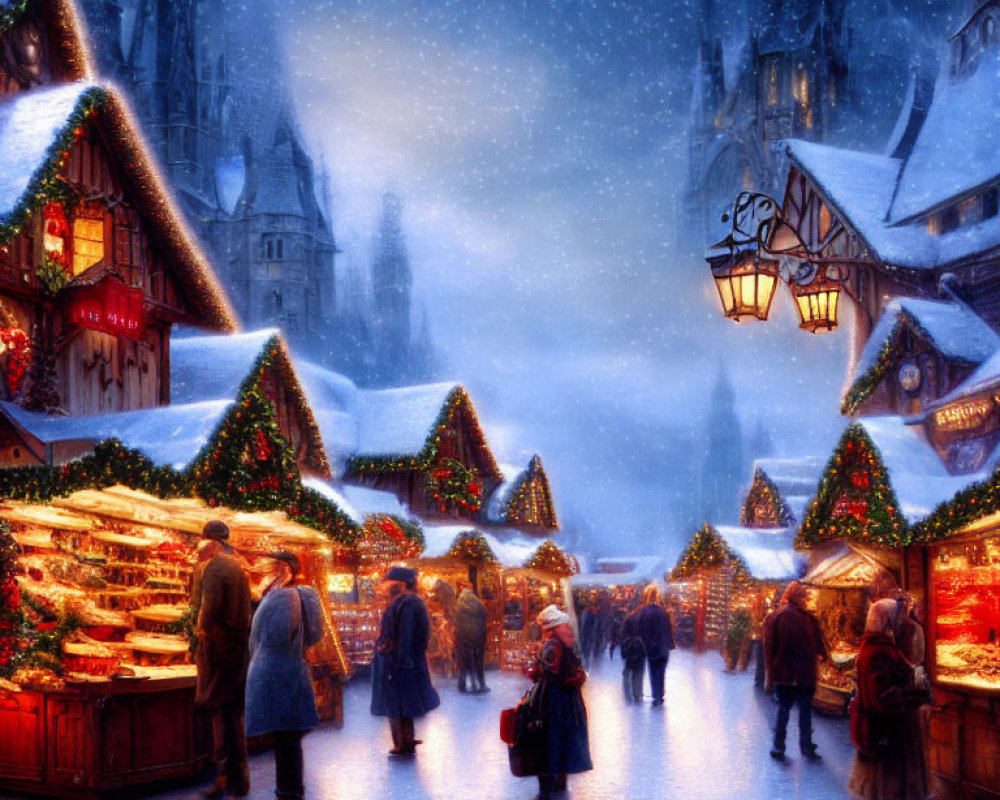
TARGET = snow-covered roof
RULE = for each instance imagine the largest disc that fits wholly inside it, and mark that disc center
(622, 572)
(511, 549)
(859, 186)
(984, 378)
(954, 329)
(29, 124)
(843, 567)
(917, 475)
(958, 148)
(399, 421)
(334, 401)
(168, 435)
(213, 367)
(497, 505)
(768, 552)
(358, 502)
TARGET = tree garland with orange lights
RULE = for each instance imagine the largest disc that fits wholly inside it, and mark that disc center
(705, 550)
(375, 464)
(763, 488)
(472, 546)
(970, 504)
(549, 557)
(854, 500)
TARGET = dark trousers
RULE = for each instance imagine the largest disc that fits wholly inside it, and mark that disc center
(466, 666)
(657, 670)
(632, 679)
(229, 749)
(288, 765)
(402, 735)
(549, 784)
(479, 665)
(787, 697)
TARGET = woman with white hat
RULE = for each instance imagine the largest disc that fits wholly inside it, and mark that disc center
(563, 714)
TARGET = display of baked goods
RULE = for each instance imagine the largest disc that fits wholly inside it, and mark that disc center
(969, 664)
(160, 614)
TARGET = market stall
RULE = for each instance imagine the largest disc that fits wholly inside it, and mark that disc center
(97, 649)
(844, 578)
(960, 578)
(541, 580)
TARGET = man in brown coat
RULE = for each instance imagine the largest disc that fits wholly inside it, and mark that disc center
(793, 642)
(222, 601)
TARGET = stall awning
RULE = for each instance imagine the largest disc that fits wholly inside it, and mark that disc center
(844, 566)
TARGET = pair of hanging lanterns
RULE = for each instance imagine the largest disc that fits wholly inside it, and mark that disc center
(747, 275)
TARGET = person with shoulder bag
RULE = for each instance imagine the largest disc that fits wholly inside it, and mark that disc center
(551, 740)
(889, 753)
(280, 698)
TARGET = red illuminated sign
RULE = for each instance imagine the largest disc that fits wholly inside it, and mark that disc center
(109, 307)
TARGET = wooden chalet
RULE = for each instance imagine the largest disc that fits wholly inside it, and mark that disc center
(779, 492)
(524, 500)
(96, 264)
(425, 445)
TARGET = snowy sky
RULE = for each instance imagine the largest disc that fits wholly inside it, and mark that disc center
(540, 150)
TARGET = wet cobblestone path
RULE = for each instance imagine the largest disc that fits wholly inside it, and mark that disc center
(710, 742)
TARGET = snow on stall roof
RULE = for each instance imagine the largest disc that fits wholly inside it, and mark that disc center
(169, 435)
(957, 331)
(512, 549)
(213, 367)
(498, 500)
(29, 124)
(958, 148)
(333, 399)
(768, 552)
(399, 421)
(919, 479)
(358, 502)
(640, 569)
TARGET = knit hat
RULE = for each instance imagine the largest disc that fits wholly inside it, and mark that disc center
(552, 616)
(288, 558)
(401, 574)
(215, 529)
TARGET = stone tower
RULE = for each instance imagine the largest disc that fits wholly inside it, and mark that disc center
(392, 284)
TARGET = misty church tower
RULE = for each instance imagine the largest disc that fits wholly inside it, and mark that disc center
(392, 284)
(723, 468)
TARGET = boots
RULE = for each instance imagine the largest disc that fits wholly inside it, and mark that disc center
(218, 787)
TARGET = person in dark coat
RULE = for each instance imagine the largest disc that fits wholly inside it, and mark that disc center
(793, 642)
(222, 602)
(401, 679)
(633, 653)
(279, 695)
(564, 715)
(889, 761)
(470, 640)
(590, 630)
(652, 623)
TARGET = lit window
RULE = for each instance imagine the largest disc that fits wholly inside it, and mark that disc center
(88, 243)
(969, 211)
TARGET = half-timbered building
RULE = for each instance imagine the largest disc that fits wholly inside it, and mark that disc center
(96, 265)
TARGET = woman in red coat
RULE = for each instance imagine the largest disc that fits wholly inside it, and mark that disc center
(889, 757)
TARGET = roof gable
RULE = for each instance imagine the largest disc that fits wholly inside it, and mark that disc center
(957, 332)
(226, 367)
(524, 498)
(57, 28)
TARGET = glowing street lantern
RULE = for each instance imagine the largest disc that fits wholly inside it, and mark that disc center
(746, 285)
(817, 306)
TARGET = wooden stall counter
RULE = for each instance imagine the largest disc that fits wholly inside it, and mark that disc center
(93, 737)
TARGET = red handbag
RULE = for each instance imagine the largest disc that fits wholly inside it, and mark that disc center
(508, 726)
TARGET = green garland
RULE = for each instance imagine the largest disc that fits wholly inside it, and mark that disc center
(472, 546)
(708, 549)
(763, 484)
(550, 558)
(9, 15)
(48, 184)
(972, 503)
(411, 530)
(866, 384)
(451, 483)
(375, 464)
(882, 524)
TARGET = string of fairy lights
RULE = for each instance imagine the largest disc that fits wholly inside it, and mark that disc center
(707, 549)
(549, 557)
(854, 499)
(764, 494)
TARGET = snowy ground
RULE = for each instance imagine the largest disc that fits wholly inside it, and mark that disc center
(710, 742)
